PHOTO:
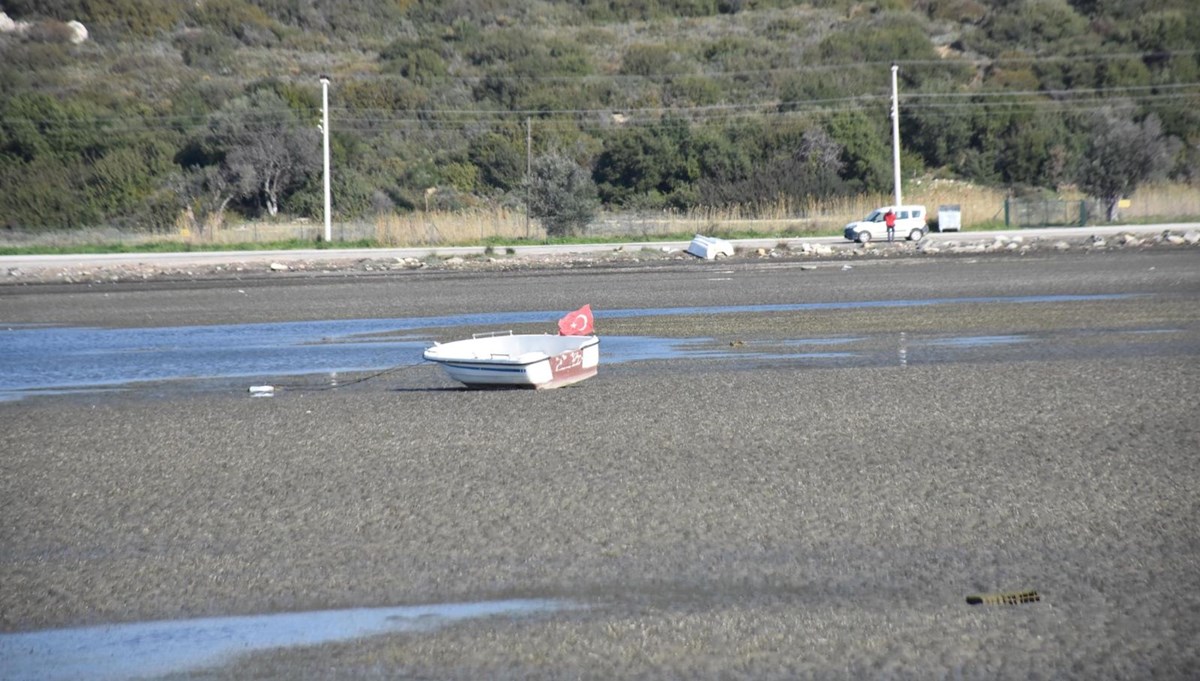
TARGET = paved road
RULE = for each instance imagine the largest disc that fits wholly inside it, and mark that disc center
(990, 424)
(288, 256)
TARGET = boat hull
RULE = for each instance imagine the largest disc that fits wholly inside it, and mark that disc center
(519, 361)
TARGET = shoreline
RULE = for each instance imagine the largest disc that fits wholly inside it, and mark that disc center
(332, 263)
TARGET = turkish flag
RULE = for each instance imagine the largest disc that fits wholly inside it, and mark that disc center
(577, 323)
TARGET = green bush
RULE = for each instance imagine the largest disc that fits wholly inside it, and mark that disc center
(1034, 25)
(237, 18)
(866, 149)
(24, 59)
(653, 60)
(739, 53)
(38, 126)
(44, 194)
(694, 91)
(960, 11)
(501, 46)
(500, 159)
(887, 38)
(646, 161)
(207, 50)
(387, 94)
(561, 195)
(421, 60)
(1168, 30)
(120, 182)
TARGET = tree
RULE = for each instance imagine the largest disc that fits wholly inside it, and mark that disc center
(205, 192)
(1034, 149)
(799, 167)
(651, 165)
(866, 152)
(121, 184)
(1122, 154)
(500, 160)
(561, 194)
(265, 147)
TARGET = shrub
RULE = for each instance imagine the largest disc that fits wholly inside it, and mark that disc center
(1035, 24)
(960, 11)
(1122, 154)
(501, 160)
(23, 59)
(653, 60)
(388, 94)
(561, 195)
(694, 91)
(207, 50)
(237, 18)
(645, 162)
(418, 60)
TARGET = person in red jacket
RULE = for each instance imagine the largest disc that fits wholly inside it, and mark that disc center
(889, 219)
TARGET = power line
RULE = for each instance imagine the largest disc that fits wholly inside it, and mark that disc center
(354, 118)
(949, 62)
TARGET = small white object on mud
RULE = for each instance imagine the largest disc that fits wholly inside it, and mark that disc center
(709, 247)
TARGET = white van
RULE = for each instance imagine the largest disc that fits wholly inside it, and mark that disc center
(910, 224)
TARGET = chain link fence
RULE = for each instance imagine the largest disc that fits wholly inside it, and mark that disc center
(1045, 213)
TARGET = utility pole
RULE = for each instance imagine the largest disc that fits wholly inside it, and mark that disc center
(325, 134)
(896, 135)
(528, 168)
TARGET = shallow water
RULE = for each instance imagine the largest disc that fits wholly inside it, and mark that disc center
(141, 649)
(48, 360)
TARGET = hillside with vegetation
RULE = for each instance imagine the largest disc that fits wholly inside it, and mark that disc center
(159, 114)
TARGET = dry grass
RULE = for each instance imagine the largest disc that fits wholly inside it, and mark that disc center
(439, 227)
(1163, 201)
(811, 217)
(980, 206)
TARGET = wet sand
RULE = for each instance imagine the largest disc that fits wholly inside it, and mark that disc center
(712, 519)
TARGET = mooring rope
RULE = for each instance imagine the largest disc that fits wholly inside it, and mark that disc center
(334, 385)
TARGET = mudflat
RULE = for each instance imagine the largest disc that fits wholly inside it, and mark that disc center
(753, 515)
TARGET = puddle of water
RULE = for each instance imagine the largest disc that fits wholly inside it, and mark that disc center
(70, 358)
(861, 304)
(976, 341)
(1139, 332)
(801, 342)
(39, 358)
(620, 349)
(141, 649)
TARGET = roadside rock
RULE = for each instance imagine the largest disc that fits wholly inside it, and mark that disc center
(332, 265)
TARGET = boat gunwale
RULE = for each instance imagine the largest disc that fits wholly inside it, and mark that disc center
(506, 360)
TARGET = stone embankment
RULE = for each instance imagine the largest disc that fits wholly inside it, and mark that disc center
(793, 249)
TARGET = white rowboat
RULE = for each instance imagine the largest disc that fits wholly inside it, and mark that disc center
(507, 360)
